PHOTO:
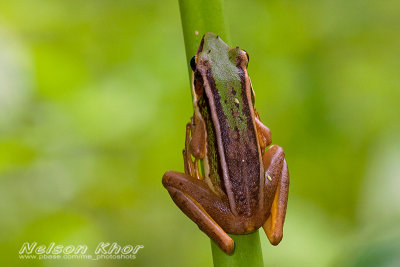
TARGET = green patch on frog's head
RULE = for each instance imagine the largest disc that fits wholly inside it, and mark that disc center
(212, 43)
(224, 68)
(214, 51)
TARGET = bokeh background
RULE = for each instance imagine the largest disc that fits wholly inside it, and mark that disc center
(94, 98)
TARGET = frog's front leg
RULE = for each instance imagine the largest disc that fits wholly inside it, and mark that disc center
(196, 200)
(195, 145)
(276, 191)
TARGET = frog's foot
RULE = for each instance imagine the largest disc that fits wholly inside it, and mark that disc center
(194, 198)
(276, 173)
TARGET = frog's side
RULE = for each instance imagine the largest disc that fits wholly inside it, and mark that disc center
(243, 187)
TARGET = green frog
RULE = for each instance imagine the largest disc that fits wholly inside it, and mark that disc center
(231, 184)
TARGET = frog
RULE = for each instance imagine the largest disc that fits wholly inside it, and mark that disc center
(234, 180)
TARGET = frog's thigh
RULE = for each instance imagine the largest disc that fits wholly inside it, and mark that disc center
(276, 169)
(194, 197)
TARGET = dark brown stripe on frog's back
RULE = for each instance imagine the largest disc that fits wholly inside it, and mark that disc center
(239, 146)
(215, 171)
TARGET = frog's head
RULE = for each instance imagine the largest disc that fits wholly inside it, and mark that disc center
(214, 53)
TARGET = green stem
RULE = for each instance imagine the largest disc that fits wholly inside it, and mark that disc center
(247, 252)
(199, 17)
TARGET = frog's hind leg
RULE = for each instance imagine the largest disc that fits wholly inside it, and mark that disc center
(276, 173)
(192, 195)
(194, 198)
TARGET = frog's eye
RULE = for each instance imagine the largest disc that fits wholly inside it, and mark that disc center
(193, 63)
(247, 55)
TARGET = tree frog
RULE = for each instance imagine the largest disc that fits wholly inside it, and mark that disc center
(241, 186)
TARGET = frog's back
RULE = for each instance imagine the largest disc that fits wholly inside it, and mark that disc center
(232, 117)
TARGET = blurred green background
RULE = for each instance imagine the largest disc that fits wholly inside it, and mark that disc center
(94, 98)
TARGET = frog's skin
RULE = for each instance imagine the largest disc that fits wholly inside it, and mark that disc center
(242, 187)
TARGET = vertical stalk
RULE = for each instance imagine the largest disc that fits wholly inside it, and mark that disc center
(199, 17)
(247, 252)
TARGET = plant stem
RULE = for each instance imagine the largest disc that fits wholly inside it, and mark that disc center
(199, 17)
(247, 252)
